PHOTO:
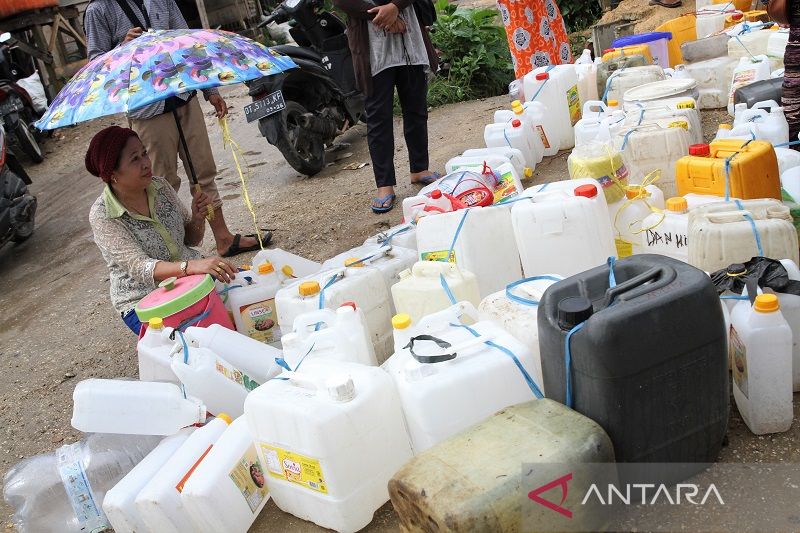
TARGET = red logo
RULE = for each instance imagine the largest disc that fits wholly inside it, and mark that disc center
(560, 482)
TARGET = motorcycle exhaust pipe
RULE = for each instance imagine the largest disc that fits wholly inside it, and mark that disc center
(310, 122)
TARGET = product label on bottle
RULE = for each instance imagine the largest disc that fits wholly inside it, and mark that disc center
(260, 320)
(248, 476)
(620, 175)
(624, 248)
(738, 356)
(79, 492)
(441, 255)
(294, 468)
(740, 79)
(235, 375)
(506, 188)
(574, 103)
(188, 474)
(543, 135)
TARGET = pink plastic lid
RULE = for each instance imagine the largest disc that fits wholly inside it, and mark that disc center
(173, 295)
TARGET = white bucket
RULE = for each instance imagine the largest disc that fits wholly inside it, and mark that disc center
(624, 79)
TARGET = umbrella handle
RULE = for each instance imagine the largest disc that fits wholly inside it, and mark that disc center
(192, 173)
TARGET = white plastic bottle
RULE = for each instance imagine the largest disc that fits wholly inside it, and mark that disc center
(586, 69)
(402, 331)
(515, 135)
(253, 306)
(666, 233)
(119, 502)
(342, 335)
(159, 502)
(534, 117)
(133, 407)
(219, 384)
(155, 349)
(761, 349)
(517, 111)
(227, 490)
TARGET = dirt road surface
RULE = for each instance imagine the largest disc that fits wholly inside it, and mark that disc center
(57, 326)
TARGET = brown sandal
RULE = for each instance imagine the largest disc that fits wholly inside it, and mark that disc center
(662, 3)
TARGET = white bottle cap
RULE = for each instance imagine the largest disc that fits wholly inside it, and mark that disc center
(341, 388)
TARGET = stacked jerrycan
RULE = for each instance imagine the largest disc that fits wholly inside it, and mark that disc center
(468, 238)
(707, 62)
(749, 70)
(517, 133)
(623, 80)
(764, 121)
(431, 286)
(390, 260)
(318, 429)
(513, 156)
(598, 119)
(289, 266)
(492, 158)
(564, 228)
(755, 42)
(666, 113)
(557, 88)
(531, 119)
(450, 376)
(251, 301)
(639, 346)
(363, 285)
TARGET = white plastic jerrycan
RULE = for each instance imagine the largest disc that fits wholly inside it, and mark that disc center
(364, 286)
(667, 233)
(556, 87)
(159, 503)
(290, 267)
(586, 69)
(218, 383)
(761, 350)
(421, 292)
(516, 309)
(450, 379)
(155, 349)
(517, 111)
(473, 234)
(534, 114)
(251, 357)
(402, 235)
(253, 304)
(330, 437)
(787, 159)
(749, 70)
(560, 233)
(389, 259)
(596, 121)
(513, 155)
(516, 135)
(713, 77)
(339, 335)
(628, 217)
(119, 502)
(227, 490)
(133, 407)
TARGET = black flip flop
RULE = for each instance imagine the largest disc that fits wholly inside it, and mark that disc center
(665, 4)
(235, 249)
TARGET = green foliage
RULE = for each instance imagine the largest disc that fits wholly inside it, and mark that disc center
(474, 54)
(579, 14)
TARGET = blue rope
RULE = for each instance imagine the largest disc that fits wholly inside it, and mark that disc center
(612, 279)
(447, 290)
(568, 361)
(790, 143)
(548, 69)
(524, 301)
(733, 297)
(457, 233)
(331, 281)
(224, 292)
(185, 359)
(528, 379)
(754, 228)
(625, 140)
(189, 322)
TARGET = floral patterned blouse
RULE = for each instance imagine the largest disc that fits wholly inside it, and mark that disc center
(132, 244)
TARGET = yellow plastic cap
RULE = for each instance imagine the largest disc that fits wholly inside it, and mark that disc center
(633, 192)
(353, 262)
(686, 104)
(767, 303)
(401, 321)
(308, 288)
(677, 204)
(725, 127)
(225, 417)
(527, 172)
(288, 271)
(156, 323)
(266, 268)
(245, 267)
(516, 103)
(613, 103)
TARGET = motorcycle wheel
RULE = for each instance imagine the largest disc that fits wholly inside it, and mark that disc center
(303, 150)
(27, 141)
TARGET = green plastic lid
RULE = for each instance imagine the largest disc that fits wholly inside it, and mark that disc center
(173, 295)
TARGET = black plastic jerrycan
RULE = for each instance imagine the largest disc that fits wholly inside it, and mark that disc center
(650, 364)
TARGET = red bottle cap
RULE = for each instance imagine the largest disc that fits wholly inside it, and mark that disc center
(516, 123)
(607, 50)
(349, 304)
(542, 76)
(700, 150)
(436, 194)
(587, 191)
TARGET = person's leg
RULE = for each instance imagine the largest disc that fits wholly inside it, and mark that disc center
(380, 132)
(194, 129)
(791, 77)
(412, 88)
(160, 137)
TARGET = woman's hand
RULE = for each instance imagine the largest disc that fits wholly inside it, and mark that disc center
(385, 15)
(200, 203)
(399, 26)
(218, 267)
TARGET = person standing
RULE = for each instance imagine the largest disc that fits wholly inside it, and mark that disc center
(791, 77)
(391, 48)
(109, 23)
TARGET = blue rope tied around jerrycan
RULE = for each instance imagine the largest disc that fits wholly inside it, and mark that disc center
(612, 282)
(738, 203)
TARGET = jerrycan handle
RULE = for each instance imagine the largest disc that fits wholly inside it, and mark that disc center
(303, 322)
(594, 106)
(635, 287)
(452, 351)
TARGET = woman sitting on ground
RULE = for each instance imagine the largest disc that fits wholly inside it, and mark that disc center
(143, 231)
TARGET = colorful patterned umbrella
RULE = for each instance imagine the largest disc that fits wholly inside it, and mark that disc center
(155, 66)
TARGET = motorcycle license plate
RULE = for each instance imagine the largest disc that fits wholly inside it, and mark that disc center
(269, 105)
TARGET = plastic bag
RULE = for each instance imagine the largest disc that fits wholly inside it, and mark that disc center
(759, 271)
(602, 162)
(33, 86)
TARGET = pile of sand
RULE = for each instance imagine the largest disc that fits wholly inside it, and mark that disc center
(647, 18)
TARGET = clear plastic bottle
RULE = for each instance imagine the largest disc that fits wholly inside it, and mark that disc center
(62, 492)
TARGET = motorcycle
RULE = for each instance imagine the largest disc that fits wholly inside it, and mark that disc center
(16, 106)
(304, 109)
(17, 205)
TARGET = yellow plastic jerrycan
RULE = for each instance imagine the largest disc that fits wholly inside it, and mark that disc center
(753, 169)
(683, 29)
(633, 50)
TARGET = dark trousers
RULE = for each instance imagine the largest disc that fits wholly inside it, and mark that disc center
(791, 77)
(412, 88)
